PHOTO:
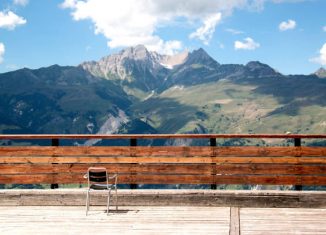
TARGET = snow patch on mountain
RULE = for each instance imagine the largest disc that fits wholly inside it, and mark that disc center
(150, 95)
(170, 62)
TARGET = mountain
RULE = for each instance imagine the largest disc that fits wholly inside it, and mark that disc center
(257, 69)
(137, 68)
(57, 100)
(198, 67)
(134, 67)
(321, 73)
(139, 91)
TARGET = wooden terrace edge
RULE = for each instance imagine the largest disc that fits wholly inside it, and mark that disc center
(149, 197)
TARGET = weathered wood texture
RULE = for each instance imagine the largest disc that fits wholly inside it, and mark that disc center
(166, 165)
(160, 220)
(234, 221)
(271, 221)
(127, 220)
(76, 197)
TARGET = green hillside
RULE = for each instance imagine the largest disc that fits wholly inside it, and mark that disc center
(57, 100)
(230, 106)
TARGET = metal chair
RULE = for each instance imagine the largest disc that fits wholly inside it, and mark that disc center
(98, 179)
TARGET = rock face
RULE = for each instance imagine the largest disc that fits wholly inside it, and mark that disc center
(110, 126)
(321, 73)
(134, 67)
(257, 69)
(147, 71)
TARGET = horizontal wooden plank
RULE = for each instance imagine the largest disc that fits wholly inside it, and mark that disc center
(254, 151)
(162, 136)
(169, 179)
(167, 165)
(281, 169)
(116, 168)
(105, 151)
(219, 160)
(162, 151)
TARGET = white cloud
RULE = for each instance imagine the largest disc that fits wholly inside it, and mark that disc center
(234, 31)
(10, 20)
(321, 59)
(21, 2)
(324, 28)
(279, 1)
(68, 4)
(131, 22)
(258, 5)
(248, 44)
(205, 32)
(124, 23)
(287, 25)
(2, 52)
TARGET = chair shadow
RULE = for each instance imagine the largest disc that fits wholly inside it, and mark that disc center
(121, 211)
(97, 212)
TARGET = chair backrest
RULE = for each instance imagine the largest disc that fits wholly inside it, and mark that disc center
(97, 175)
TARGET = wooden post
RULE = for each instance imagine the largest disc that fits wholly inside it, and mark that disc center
(133, 142)
(54, 142)
(297, 143)
(234, 228)
(212, 142)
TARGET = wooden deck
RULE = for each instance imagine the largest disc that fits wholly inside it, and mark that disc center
(282, 221)
(161, 220)
(128, 220)
(62, 211)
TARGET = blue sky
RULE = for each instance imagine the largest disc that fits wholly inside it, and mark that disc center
(289, 35)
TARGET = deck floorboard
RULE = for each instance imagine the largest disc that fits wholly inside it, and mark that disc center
(159, 220)
(280, 221)
(128, 220)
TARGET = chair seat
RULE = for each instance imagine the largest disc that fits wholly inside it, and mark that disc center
(101, 186)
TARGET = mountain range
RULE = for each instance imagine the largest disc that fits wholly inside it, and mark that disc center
(138, 91)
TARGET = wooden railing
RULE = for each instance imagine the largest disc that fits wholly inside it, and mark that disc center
(291, 165)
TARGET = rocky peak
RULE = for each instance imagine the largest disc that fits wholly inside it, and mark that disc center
(260, 69)
(138, 52)
(200, 56)
(134, 65)
(321, 73)
(257, 65)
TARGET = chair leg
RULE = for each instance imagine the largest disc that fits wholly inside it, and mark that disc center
(108, 205)
(116, 198)
(87, 201)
